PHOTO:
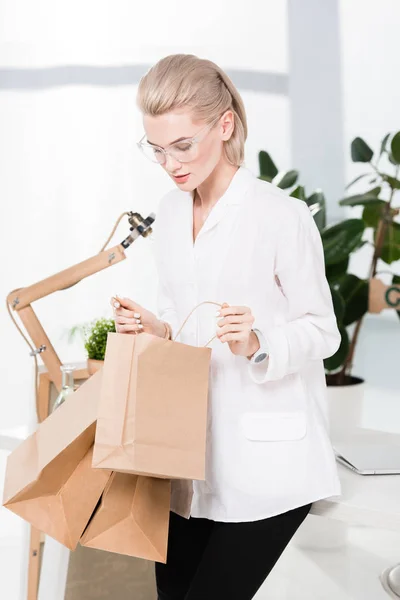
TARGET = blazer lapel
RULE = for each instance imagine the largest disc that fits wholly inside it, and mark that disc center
(233, 196)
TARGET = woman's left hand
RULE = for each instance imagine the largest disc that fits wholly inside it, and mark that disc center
(235, 328)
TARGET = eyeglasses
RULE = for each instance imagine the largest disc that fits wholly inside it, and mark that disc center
(184, 151)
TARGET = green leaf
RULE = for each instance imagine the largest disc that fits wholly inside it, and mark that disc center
(392, 181)
(96, 334)
(391, 245)
(336, 271)
(341, 239)
(396, 280)
(299, 193)
(361, 199)
(317, 205)
(268, 168)
(355, 293)
(360, 151)
(391, 159)
(318, 197)
(319, 216)
(286, 179)
(372, 213)
(357, 179)
(383, 144)
(338, 304)
(337, 360)
(395, 148)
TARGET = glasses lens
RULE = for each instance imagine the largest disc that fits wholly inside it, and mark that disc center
(153, 153)
(183, 151)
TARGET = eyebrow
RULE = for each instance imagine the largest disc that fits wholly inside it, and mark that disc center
(174, 142)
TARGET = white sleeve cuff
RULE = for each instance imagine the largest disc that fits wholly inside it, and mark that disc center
(258, 371)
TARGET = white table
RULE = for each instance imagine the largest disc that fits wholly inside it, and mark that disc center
(370, 500)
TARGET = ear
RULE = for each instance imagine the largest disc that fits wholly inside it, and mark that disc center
(228, 125)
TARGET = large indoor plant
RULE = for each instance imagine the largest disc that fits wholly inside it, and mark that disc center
(376, 226)
(94, 335)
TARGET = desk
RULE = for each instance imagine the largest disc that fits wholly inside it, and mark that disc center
(370, 500)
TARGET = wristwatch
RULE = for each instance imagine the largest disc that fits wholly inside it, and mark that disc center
(262, 353)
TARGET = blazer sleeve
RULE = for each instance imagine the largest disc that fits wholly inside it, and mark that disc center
(166, 310)
(310, 332)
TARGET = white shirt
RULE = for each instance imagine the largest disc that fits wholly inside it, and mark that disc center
(268, 446)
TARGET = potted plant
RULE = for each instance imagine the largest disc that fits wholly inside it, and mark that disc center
(378, 227)
(95, 340)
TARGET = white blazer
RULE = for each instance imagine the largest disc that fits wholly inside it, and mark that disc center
(268, 446)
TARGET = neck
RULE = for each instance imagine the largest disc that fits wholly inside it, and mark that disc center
(214, 187)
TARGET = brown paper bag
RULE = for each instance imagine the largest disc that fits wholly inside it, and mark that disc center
(49, 478)
(132, 518)
(152, 416)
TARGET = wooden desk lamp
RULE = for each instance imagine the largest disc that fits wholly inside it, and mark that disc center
(21, 299)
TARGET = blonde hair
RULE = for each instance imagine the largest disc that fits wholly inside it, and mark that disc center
(186, 81)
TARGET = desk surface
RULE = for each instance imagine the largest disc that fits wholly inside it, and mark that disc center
(370, 500)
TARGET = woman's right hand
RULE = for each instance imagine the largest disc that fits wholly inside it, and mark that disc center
(133, 318)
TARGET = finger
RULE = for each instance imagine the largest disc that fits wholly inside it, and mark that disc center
(123, 312)
(126, 320)
(232, 328)
(129, 304)
(129, 327)
(246, 318)
(234, 337)
(234, 310)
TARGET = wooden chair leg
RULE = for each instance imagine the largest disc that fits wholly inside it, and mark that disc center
(34, 564)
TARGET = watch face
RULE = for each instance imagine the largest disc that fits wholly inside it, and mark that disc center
(261, 357)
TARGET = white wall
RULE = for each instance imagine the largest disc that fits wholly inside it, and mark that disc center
(68, 161)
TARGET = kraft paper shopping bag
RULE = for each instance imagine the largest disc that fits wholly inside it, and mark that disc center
(152, 416)
(49, 478)
(132, 517)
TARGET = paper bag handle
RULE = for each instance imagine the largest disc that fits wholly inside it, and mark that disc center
(192, 311)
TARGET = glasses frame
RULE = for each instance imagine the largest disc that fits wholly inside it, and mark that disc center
(197, 138)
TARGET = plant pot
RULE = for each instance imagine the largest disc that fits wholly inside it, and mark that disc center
(345, 406)
(94, 365)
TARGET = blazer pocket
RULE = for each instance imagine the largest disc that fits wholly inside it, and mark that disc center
(274, 427)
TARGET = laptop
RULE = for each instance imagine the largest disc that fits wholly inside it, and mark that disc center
(369, 459)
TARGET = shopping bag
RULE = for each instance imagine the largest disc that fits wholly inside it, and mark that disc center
(49, 478)
(132, 517)
(152, 416)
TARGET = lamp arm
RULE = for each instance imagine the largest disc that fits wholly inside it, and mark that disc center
(20, 299)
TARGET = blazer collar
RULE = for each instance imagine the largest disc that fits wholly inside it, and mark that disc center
(233, 196)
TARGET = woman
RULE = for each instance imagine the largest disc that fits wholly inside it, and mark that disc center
(225, 236)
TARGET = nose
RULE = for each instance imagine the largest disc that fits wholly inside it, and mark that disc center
(171, 164)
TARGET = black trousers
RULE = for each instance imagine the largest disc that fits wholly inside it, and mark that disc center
(209, 560)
